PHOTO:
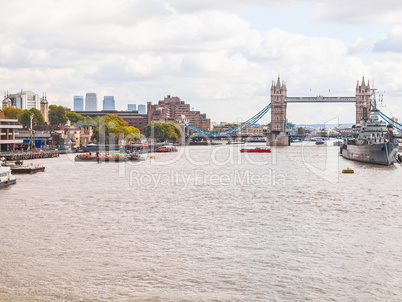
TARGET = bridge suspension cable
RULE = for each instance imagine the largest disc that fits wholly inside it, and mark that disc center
(235, 129)
(390, 120)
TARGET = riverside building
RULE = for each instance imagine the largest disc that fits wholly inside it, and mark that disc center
(8, 130)
(174, 109)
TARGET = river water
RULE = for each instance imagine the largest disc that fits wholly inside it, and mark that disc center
(204, 224)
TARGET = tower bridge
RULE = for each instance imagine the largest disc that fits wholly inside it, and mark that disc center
(277, 135)
(279, 100)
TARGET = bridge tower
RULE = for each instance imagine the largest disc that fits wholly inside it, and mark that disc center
(277, 134)
(363, 93)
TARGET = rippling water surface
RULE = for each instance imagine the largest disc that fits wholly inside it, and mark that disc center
(204, 224)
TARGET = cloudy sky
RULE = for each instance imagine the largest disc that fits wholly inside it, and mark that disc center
(219, 56)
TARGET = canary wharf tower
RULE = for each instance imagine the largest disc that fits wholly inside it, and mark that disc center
(91, 102)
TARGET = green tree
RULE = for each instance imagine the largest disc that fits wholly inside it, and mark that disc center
(111, 127)
(57, 115)
(25, 117)
(163, 131)
(301, 131)
(12, 113)
(290, 125)
(74, 117)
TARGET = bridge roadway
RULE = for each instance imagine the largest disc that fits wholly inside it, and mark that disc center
(198, 136)
(321, 99)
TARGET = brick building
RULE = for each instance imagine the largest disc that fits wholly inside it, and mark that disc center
(174, 109)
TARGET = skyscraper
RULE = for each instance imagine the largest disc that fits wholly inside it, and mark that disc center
(131, 107)
(91, 103)
(78, 103)
(141, 109)
(108, 103)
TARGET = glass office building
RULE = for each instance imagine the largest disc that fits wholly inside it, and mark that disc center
(78, 103)
(91, 103)
(141, 109)
(131, 107)
(108, 103)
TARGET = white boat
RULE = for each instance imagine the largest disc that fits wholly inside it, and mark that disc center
(6, 178)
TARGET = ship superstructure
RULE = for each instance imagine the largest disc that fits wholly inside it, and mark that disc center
(372, 140)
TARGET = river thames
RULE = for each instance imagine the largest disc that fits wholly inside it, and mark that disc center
(204, 224)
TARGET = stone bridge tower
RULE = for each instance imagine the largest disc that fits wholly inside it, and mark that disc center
(277, 133)
(363, 93)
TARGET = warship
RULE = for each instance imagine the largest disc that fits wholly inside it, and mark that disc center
(372, 140)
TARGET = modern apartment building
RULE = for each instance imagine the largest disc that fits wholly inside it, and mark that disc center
(8, 130)
(174, 109)
(25, 100)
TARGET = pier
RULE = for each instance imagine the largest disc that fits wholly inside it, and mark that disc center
(13, 156)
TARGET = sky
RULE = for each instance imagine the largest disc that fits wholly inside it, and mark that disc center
(219, 56)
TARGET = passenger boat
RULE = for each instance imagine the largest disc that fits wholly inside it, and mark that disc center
(116, 157)
(166, 149)
(135, 157)
(256, 150)
(6, 178)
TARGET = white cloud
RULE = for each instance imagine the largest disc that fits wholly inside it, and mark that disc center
(201, 51)
(392, 43)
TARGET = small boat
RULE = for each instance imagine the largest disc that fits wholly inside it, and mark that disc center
(28, 169)
(153, 157)
(235, 142)
(319, 142)
(116, 157)
(256, 150)
(348, 170)
(135, 157)
(166, 149)
(6, 178)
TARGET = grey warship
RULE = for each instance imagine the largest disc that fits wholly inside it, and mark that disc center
(372, 141)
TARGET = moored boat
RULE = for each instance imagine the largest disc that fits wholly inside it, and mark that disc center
(166, 149)
(27, 169)
(6, 178)
(116, 157)
(135, 157)
(372, 140)
(256, 150)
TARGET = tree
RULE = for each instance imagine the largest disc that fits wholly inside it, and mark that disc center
(111, 127)
(25, 117)
(74, 117)
(57, 115)
(12, 113)
(301, 131)
(163, 131)
(290, 125)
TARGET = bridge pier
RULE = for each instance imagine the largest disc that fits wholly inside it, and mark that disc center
(278, 139)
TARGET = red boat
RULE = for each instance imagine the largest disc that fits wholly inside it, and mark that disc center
(256, 150)
(166, 149)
